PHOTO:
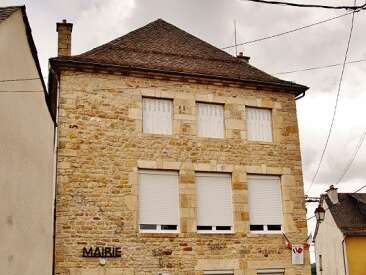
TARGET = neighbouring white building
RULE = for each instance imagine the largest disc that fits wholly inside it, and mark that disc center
(26, 152)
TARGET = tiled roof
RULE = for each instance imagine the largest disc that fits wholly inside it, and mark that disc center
(350, 213)
(164, 47)
(5, 12)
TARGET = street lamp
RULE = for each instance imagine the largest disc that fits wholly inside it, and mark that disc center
(319, 214)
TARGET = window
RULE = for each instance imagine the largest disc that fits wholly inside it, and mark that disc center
(210, 120)
(259, 124)
(157, 116)
(265, 204)
(214, 206)
(271, 271)
(158, 201)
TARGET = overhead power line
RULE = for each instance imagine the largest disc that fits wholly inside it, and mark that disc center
(336, 103)
(358, 147)
(307, 5)
(320, 67)
(287, 32)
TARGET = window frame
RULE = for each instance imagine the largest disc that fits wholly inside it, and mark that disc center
(172, 115)
(223, 119)
(265, 226)
(247, 127)
(214, 230)
(158, 226)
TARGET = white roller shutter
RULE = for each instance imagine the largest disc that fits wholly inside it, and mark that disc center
(265, 203)
(158, 197)
(214, 202)
(210, 120)
(157, 116)
(259, 124)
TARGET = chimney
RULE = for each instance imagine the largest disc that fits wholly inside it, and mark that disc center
(64, 30)
(243, 58)
(333, 194)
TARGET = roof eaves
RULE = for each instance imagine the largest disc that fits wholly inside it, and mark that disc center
(300, 89)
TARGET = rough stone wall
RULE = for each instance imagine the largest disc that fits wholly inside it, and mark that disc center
(101, 147)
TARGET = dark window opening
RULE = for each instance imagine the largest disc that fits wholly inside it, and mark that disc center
(148, 226)
(223, 227)
(274, 227)
(256, 227)
(204, 227)
(169, 227)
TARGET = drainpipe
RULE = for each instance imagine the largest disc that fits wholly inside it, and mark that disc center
(344, 256)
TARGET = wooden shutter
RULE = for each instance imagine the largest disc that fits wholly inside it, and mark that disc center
(265, 203)
(157, 116)
(158, 197)
(210, 120)
(259, 124)
(214, 202)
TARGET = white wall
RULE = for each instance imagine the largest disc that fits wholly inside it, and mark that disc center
(26, 159)
(328, 243)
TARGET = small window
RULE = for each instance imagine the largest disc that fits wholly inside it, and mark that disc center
(214, 203)
(265, 204)
(158, 201)
(210, 120)
(259, 124)
(157, 116)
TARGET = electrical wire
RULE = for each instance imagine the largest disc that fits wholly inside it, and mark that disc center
(307, 5)
(320, 67)
(358, 147)
(335, 106)
(289, 31)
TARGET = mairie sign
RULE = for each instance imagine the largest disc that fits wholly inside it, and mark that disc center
(102, 252)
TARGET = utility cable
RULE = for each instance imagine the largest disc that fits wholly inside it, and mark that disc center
(289, 31)
(307, 5)
(335, 106)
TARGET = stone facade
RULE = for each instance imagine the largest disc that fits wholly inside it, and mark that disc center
(101, 146)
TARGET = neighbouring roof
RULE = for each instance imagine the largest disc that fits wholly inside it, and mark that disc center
(161, 46)
(350, 213)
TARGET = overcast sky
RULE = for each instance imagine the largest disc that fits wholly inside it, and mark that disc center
(99, 21)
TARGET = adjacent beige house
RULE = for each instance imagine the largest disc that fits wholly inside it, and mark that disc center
(340, 240)
(26, 152)
(180, 156)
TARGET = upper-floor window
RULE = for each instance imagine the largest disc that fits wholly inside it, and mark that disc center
(271, 271)
(259, 124)
(265, 203)
(158, 201)
(157, 116)
(214, 203)
(210, 120)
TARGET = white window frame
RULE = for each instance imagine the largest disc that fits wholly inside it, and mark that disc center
(214, 230)
(171, 115)
(266, 231)
(247, 108)
(265, 226)
(197, 119)
(159, 230)
(158, 226)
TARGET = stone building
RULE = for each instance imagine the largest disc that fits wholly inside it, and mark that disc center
(184, 157)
